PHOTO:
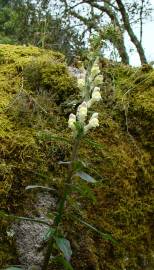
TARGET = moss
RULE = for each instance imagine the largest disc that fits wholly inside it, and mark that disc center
(125, 204)
(51, 77)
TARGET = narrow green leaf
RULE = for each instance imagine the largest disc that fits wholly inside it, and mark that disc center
(105, 236)
(42, 187)
(64, 246)
(2, 214)
(86, 177)
(13, 217)
(13, 268)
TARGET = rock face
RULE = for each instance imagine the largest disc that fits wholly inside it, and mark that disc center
(30, 235)
(34, 84)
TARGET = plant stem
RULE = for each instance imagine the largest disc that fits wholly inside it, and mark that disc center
(61, 205)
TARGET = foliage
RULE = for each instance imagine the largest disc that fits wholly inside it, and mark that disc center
(28, 22)
(122, 17)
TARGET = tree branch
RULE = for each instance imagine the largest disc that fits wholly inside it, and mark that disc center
(129, 29)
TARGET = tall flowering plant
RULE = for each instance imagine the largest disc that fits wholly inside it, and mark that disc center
(80, 125)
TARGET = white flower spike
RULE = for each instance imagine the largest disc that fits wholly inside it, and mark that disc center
(93, 123)
(94, 115)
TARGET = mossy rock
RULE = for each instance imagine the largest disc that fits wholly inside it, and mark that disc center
(22, 106)
(119, 159)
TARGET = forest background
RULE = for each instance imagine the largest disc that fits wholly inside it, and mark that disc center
(66, 25)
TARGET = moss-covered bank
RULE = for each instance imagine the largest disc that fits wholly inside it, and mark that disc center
(33, 84)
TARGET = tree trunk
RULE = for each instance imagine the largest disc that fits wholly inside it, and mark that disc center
(129, 29)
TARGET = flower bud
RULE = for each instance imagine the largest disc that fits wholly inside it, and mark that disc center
(96, 89)
(96, 96)
(72, 121)
(94, 115)
(82, 112)
(93, 122)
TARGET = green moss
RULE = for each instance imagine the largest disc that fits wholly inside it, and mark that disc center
(51, 77)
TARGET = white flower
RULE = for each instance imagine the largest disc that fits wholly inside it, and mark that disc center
(82, 112)
(96, 96)
(93, 122)
(72, 121)
(96, 89)
(94, 115)
(10, 233)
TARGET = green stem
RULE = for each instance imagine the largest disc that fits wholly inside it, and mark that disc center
(87, 80)
(61, 206)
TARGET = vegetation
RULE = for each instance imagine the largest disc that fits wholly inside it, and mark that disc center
(29, 22)
(100, 181)
(118, 156)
